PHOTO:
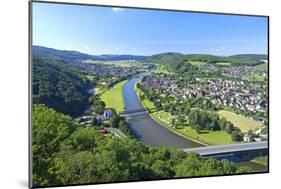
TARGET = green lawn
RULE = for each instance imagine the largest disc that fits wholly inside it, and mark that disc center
(206, 137)
(90, 77)
(197, 63)
(148, 104)
(161, 69)
(262, 67)
(113, 97)
(117, 63)
(257, 78)
(240, 121)
(223, 63)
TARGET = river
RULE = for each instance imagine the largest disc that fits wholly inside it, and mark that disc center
(146, 128)
(151, 133)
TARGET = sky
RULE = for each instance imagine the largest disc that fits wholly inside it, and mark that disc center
(106, 30)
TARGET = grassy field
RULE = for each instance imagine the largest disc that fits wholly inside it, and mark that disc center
(240, 121)
(257, 78)
(121, 63)
(146, 103)
(90, 77)
(161, 69)
(223, 63)
(262, 67)
(206, 137)
(197, 63)
(113, 97)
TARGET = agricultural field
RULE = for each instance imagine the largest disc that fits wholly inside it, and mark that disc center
(240, 121)
(262, 67)
(223, 63)
(161, 69)
(257, 78)
(121, 63)
(113, 97)
(197, 63)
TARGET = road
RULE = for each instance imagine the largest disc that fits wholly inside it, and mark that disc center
(222, 149)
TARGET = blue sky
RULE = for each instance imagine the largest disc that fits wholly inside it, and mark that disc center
(105, 30)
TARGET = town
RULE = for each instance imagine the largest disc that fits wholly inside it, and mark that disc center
(236, 94)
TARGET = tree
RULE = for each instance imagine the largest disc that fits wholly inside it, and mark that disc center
(95, 121)
(49, 129)
(229, 127)
(77, 168)
(114, 121)
(173, 122)
(99, 107)
(59, 86)
(189, 166)
(84, 139)
(180, 120)
(216, 167)
(237, 135)
(244, 169)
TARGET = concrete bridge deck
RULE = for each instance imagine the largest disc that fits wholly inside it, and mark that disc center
(232, 148)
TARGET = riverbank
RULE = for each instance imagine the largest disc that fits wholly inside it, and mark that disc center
(148, 104)
(114, 98)
(205, 138)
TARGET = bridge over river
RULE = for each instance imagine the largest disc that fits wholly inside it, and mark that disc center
(151, 133)
(146, 128)
(241, 151)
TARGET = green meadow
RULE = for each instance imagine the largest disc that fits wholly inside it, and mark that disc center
(113, 97)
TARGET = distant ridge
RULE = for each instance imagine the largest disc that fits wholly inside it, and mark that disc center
(75, 55)
(175, 60)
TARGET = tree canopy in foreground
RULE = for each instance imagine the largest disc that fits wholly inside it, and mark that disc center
(66, 153)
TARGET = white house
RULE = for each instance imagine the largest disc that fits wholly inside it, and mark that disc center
(247, 138)
(107, 114)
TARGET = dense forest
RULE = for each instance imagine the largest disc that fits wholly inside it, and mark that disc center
(67, 153)
(59, 86)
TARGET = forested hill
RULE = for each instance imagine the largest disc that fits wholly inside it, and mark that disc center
(175, 60)
(71, 56)
(251, 56)
(59, 86)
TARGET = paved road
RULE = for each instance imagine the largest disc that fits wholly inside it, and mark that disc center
(116, 132)
(212, 150)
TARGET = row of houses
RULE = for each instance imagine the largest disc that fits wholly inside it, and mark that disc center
(231, 93)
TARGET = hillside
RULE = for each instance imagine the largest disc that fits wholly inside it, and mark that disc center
(59, 86)
(72, 56)
(175, 60)
(171, 60)
(252, 56)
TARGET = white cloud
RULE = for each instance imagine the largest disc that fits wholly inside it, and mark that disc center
(86, 47)
(134, 48)
(117, 48)
(115, 9)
